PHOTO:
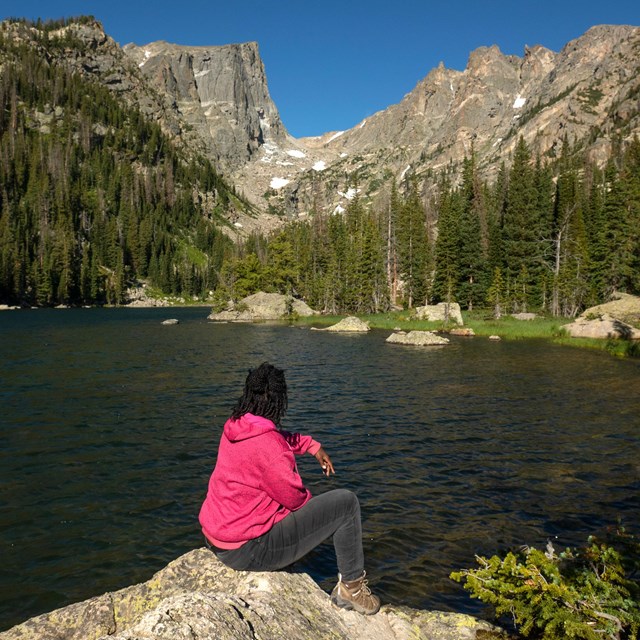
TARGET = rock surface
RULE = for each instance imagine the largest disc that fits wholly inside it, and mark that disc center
(197, 598)
(622, 306)
(136, 296)
(440, 312)
(264, 306)
(220, 92)
(462, 331)
(609, 320)
(602, 328)
(418, 338)
(347, 325)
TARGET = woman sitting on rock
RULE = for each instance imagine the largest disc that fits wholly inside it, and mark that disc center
(258, 515)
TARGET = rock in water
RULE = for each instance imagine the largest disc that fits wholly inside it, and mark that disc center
(349, 324)
(462, 331)
(418, 338)
(198, 598)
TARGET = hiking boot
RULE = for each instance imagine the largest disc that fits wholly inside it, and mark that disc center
(355, 595)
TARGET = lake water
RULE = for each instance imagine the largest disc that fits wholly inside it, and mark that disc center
(110, 423)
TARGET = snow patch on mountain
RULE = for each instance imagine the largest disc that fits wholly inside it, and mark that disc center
(518, 103)
(278, 183)
(337, 134)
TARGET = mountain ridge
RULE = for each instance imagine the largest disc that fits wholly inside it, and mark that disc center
(489, 106)
(215, 100)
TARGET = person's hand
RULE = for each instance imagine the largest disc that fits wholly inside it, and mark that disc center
(325, 461)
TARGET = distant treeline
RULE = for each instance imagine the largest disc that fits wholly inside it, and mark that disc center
(554, 238)
(94, 196)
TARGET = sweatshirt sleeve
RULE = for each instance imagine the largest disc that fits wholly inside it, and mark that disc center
(301, 444)
(283, 483)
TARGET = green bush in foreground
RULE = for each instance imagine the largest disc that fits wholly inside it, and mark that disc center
(589, 593)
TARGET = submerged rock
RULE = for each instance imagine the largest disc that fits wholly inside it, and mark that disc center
(441, 312)
(199, 598)
(264, 306)
(171, 321)
(419, 338)
(349, 324)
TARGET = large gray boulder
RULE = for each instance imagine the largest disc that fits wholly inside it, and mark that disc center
(418, 338)
(264, 306)
(602, 327)
(441, 312)
(197, 598)
(622, 306)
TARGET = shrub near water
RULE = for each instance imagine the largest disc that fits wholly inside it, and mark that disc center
(589, 593)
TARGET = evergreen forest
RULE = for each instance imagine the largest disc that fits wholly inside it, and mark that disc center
(551, 237)
(93, 196)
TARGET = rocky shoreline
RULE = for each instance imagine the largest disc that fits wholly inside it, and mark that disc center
(196, 597)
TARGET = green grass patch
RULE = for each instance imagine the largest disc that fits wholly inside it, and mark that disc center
(618, 348)
(509, 328)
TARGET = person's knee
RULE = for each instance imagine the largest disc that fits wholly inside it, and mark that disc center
(349, 499)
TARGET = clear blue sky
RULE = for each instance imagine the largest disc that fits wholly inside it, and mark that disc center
(332, 63)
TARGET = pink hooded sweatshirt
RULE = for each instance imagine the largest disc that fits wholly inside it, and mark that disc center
(255, 483)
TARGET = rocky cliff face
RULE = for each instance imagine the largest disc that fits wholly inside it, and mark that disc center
(587, 93)
(197, 597)
(219, 92)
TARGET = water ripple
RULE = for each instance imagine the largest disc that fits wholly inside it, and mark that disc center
(110, 424)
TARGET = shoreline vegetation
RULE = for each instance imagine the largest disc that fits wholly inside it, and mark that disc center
(507, 328)
(480, 321)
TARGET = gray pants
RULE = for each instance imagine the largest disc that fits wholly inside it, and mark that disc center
(335, 513)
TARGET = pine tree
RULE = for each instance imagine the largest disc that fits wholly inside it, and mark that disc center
(391, 259)
(496, 293)
(414, 254)
(520, 224)
(447, 246)
(283, 271)
(472, 229)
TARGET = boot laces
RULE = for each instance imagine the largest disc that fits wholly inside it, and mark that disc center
(364, 587)
(361, 588)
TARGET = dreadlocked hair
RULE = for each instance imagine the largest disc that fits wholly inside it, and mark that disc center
(265, 394)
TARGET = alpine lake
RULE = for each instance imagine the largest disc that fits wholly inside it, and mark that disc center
(110, 421)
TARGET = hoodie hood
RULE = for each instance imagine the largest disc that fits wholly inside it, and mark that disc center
(247, 426)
